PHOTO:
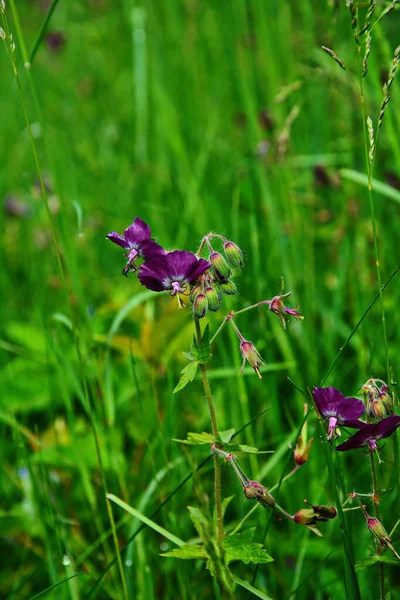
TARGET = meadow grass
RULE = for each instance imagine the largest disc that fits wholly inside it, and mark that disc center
(197, 117)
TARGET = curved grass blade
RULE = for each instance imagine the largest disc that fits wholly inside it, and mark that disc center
(52, 587)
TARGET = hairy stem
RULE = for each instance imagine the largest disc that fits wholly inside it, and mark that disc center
(214, 426)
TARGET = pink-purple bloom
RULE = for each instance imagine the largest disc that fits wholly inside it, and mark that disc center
(138, 243)
(338, 410)
(370, 434)
(172, 272)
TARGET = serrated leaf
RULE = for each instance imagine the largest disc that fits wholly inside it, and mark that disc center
(240, 547)
(239, 539)
(225, 503)
(248, 553)
(200, 522)
(197, 439)
(245, 448)
(188, 373)
(189, 551)
(364, 563)
(225, 436)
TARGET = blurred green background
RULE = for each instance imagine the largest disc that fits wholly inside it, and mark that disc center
(196, 116)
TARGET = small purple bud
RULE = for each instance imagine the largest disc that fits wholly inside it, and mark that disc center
(233, 254)
(212, 299)
(220, 265)
(200, 306)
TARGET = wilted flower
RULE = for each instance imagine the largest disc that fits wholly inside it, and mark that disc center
(370, 434)
(380, 533)
(255, 491)
(252, 356)
(337, 410)
(137, 241)
(311, 516)
(172, 272)
(277, 306)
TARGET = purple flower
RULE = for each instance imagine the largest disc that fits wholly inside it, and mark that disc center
(370, 433)
(337, 410)
(137, 241)
(172, 272)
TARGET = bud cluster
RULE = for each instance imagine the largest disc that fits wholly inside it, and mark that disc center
(378, 401)
(214, 283)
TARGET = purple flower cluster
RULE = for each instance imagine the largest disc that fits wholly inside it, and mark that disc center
(161, 270)
(333, 407)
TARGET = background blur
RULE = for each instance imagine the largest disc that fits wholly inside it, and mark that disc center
(196, 116)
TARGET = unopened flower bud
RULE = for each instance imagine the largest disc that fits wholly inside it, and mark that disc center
(387, 401)
(212, 299)
(228, 288)
(251, 355)
(378, 410)
(303, 446)
(200, 306)
(195, 292)
(256, 491)
(220, 265)
(233, 254)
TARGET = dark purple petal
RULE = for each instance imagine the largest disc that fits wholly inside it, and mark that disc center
(180, 263)
(137, 233)
(117, 239)
(151, 251)
(198, 269)
(357, 440)
(349, 409)
(386, 427)
(356, 424)
(326, 399)
(154, 275)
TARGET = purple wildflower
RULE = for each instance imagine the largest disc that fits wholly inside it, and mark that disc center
(277, 306)
(172, 272)
(337, 410)
(370, 433)
(137, 241)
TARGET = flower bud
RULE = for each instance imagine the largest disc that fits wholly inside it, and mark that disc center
(303, 447)
(228, 288)
(233, 254)
(250, 353)
(200, 306)
(378, 410)
(256, 491)
(212, 298)
(220, 265)
(195, 292)
(380, 533)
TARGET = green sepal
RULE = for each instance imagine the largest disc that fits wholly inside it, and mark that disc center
(188, 373)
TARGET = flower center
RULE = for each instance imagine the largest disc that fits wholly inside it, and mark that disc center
(372, 445)
(176, 288)
(332, 428)
(132, 254)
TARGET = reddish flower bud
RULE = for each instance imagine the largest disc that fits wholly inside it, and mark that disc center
(220, 265)
(212, 298)
(305, 516)
(200, 306)
(233, 254)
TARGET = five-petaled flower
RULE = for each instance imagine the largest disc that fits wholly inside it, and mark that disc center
(172, 272)
(337, 410)
(370, 433)
(137, 240)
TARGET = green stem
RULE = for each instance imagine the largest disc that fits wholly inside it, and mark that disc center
(375, 490)
(214, 426)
